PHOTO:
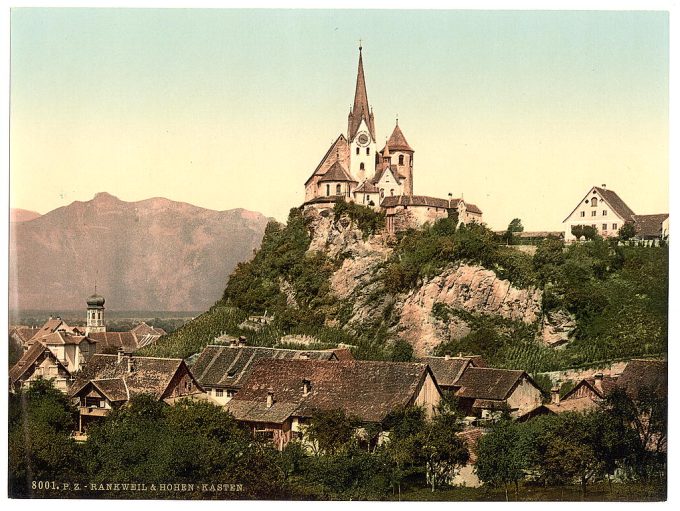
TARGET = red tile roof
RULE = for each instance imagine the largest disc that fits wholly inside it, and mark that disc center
(447, 371)
(337, 173)
(126, 340)
(414, 200)
(397, 141)
(649, 226)
(485, 383)
(35, 354)
(339, 150)
(650, 374)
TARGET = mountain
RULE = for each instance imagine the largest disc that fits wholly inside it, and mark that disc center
(22, 215)
(155, 254)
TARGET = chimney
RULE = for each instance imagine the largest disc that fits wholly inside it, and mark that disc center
(555, 396)
(130, 364)
(598, 381)
(447, 357)
(604, 185)
(306, 387)
(120, 354)
(270, 398)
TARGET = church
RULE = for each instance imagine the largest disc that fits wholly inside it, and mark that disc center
(355, 170)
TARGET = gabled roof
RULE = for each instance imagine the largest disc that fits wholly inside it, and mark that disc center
(447, 370)
(23, 333)
(369, 390)
(615, 203)
(649, 225)
(61, 338)
(397, 141)
(339, 150)
(230, 366)
(485, 383)
(337, 173)
(472, 208)
(148, 375)
(27, 361)
(652, 374)
(379, 172)
(53, 325)
(126, 340)
(600, 387)
(143, 329)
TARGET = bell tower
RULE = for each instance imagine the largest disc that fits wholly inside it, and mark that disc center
(95, 314)
(361, 130)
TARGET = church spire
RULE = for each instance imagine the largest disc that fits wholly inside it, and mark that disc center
(360, 110)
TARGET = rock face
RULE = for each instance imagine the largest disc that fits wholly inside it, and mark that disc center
(150, 255)
(557, 327)
(470, 288)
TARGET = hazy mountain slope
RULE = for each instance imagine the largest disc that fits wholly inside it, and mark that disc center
(22, 215)
(154, 254)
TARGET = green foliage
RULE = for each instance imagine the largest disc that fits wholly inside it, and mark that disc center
(502, 455)
(367, 219)
(627, 231)
(444, 451)
(584, 231)
(330, 431)
(514, 226)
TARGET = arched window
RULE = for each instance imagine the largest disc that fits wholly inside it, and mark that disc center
(338, 189)
(328, 190)
(382, 193)
(368, 150)
(361, 166)
(358, 149)
(593, 202)
(392, 192)
(401, 159)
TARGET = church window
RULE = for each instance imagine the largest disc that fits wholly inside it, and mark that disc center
(401, 159)
(328, 190)
(358, 149)
(338, 189)
(368, 150)
(361, 166)
(593, 202)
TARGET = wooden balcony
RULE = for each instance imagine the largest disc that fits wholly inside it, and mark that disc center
(94, 411)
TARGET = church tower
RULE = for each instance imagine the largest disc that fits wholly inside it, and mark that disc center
(361, 131)
(402, 156)
(95, 314)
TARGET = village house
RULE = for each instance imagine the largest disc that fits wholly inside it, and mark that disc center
(644, 375)
(447, 370)
(355, 170)
(604, 210)
(483, 392)
(110, 381)
(221, 370)
(281, 395)
(39, 362)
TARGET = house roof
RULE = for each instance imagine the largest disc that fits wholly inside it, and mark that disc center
(149, 375)
(230, 366)
(397, 141)
(126, 340)
(61, 338)
(53, 325)
(368, 390)
(602, 387)
(612, 199)
(581, 404)
(414, 200)
(143, 329)
(447, 371)
(379, 172)
(366, 187)
(29, 359)
(638, 373)
(649, 225)
(339, 150)
(471, 436)
(472, 208)
(337, 173)
(23, 333)
(487, 383)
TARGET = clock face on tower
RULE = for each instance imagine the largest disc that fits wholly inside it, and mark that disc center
(362, 139)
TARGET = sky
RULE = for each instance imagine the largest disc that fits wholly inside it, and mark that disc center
(519, 112)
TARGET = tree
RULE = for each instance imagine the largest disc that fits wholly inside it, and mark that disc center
(548, 260)
(514, 226)
(444, 451)
(404, 446)
(330, 431)
(627, 231)
(501, 459)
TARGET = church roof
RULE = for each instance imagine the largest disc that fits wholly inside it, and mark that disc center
(472, 208)
(366, 187)
(338, 151)
(337, 173)
(397, 141)
(380, 171)
(414, 200)
(360, 109)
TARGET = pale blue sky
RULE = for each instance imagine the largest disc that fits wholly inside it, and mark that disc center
(519, 111)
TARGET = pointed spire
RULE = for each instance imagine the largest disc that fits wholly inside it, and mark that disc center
(398, 141)
(360, 109)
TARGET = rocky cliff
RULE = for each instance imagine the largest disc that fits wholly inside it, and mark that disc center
(409, 315)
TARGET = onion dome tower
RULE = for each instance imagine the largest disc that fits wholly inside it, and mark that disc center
(95, 314)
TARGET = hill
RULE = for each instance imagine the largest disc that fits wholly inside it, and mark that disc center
(22, 215)
(154, 254)
(445, 288)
